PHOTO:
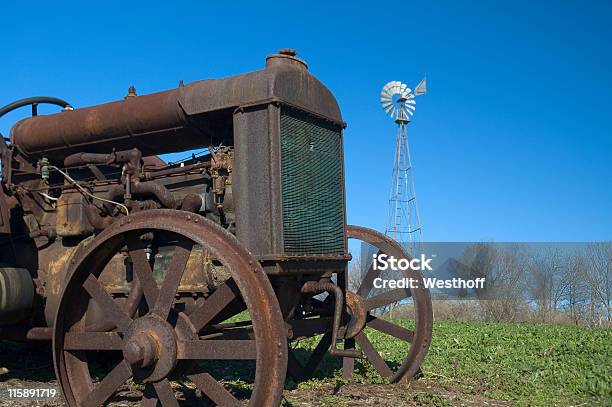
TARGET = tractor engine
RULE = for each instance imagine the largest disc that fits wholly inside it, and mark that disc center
(264, 162)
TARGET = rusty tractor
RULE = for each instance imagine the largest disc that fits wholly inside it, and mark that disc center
(192, 279)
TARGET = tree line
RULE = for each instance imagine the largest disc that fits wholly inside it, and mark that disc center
(549, 285)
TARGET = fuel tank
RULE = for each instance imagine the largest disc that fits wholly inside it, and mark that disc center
(196, 115)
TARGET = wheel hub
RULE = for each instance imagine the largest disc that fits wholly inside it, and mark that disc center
(141, 351)
(150, 348)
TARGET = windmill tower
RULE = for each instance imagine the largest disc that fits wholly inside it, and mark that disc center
(403, 221)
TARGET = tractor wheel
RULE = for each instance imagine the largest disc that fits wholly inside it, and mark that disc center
(365, 327)
(227, 348)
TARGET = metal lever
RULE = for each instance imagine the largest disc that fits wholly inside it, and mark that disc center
(312, 287)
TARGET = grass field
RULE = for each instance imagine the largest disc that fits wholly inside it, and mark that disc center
(470, 364)
(525, 364)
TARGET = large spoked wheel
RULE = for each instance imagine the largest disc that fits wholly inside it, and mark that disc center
(365, 325)
(153, 343)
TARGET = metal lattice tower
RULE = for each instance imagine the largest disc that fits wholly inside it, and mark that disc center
(403, 220)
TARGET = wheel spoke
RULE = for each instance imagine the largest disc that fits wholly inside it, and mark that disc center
(105, 389)
(130, 307)
(149, 396)
(214, 304)
(217, 350)
(112, 310)
(165, 394)
(318, 354)
(236, 334)
(373, 356)
(348, 364)
(294, 368)
(387, 298)
(142, 269)
(368, 280)
(173, 277)
(303, 328)
(214, 390)
(235, 307)
(300, 372)
(92, 341)
(133, 300)
(391, 329)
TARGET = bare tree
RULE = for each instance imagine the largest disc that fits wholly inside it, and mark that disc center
(502, 298)
(356, 274)
(546, 284)
(598, 276)
(575, 290)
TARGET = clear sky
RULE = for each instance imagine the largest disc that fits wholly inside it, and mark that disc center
(513, 141)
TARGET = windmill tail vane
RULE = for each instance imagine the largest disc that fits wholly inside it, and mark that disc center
(421, 88)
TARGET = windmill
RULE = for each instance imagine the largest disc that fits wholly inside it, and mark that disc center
(403, 221)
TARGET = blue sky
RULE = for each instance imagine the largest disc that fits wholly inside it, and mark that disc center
(513, 141)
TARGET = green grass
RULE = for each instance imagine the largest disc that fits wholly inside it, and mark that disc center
(527, 364)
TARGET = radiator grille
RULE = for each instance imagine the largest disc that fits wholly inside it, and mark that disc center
(312, 184)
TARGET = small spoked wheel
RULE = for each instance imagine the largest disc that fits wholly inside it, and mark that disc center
(166, 340)
(398, 357)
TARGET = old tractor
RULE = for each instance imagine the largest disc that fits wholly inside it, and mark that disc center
(195, 278)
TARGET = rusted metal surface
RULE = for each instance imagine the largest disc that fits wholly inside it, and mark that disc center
(56, 260)
(356, 309)
(416, 341)
(159, 122)
(151, 345)
(16, 295)
(71, 217)
(121, 123)
(145, 188)
(5, 225)
(325, 285)
(21, 334)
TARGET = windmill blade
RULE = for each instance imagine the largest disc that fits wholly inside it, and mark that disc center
(389, 96)
(421, 88)
(407, 112)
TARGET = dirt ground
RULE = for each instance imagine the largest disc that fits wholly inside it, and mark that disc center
(415, 394)
(19, 369)
(419, 393)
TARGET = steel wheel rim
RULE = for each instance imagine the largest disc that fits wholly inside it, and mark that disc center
(268, 329)
(421, 336)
